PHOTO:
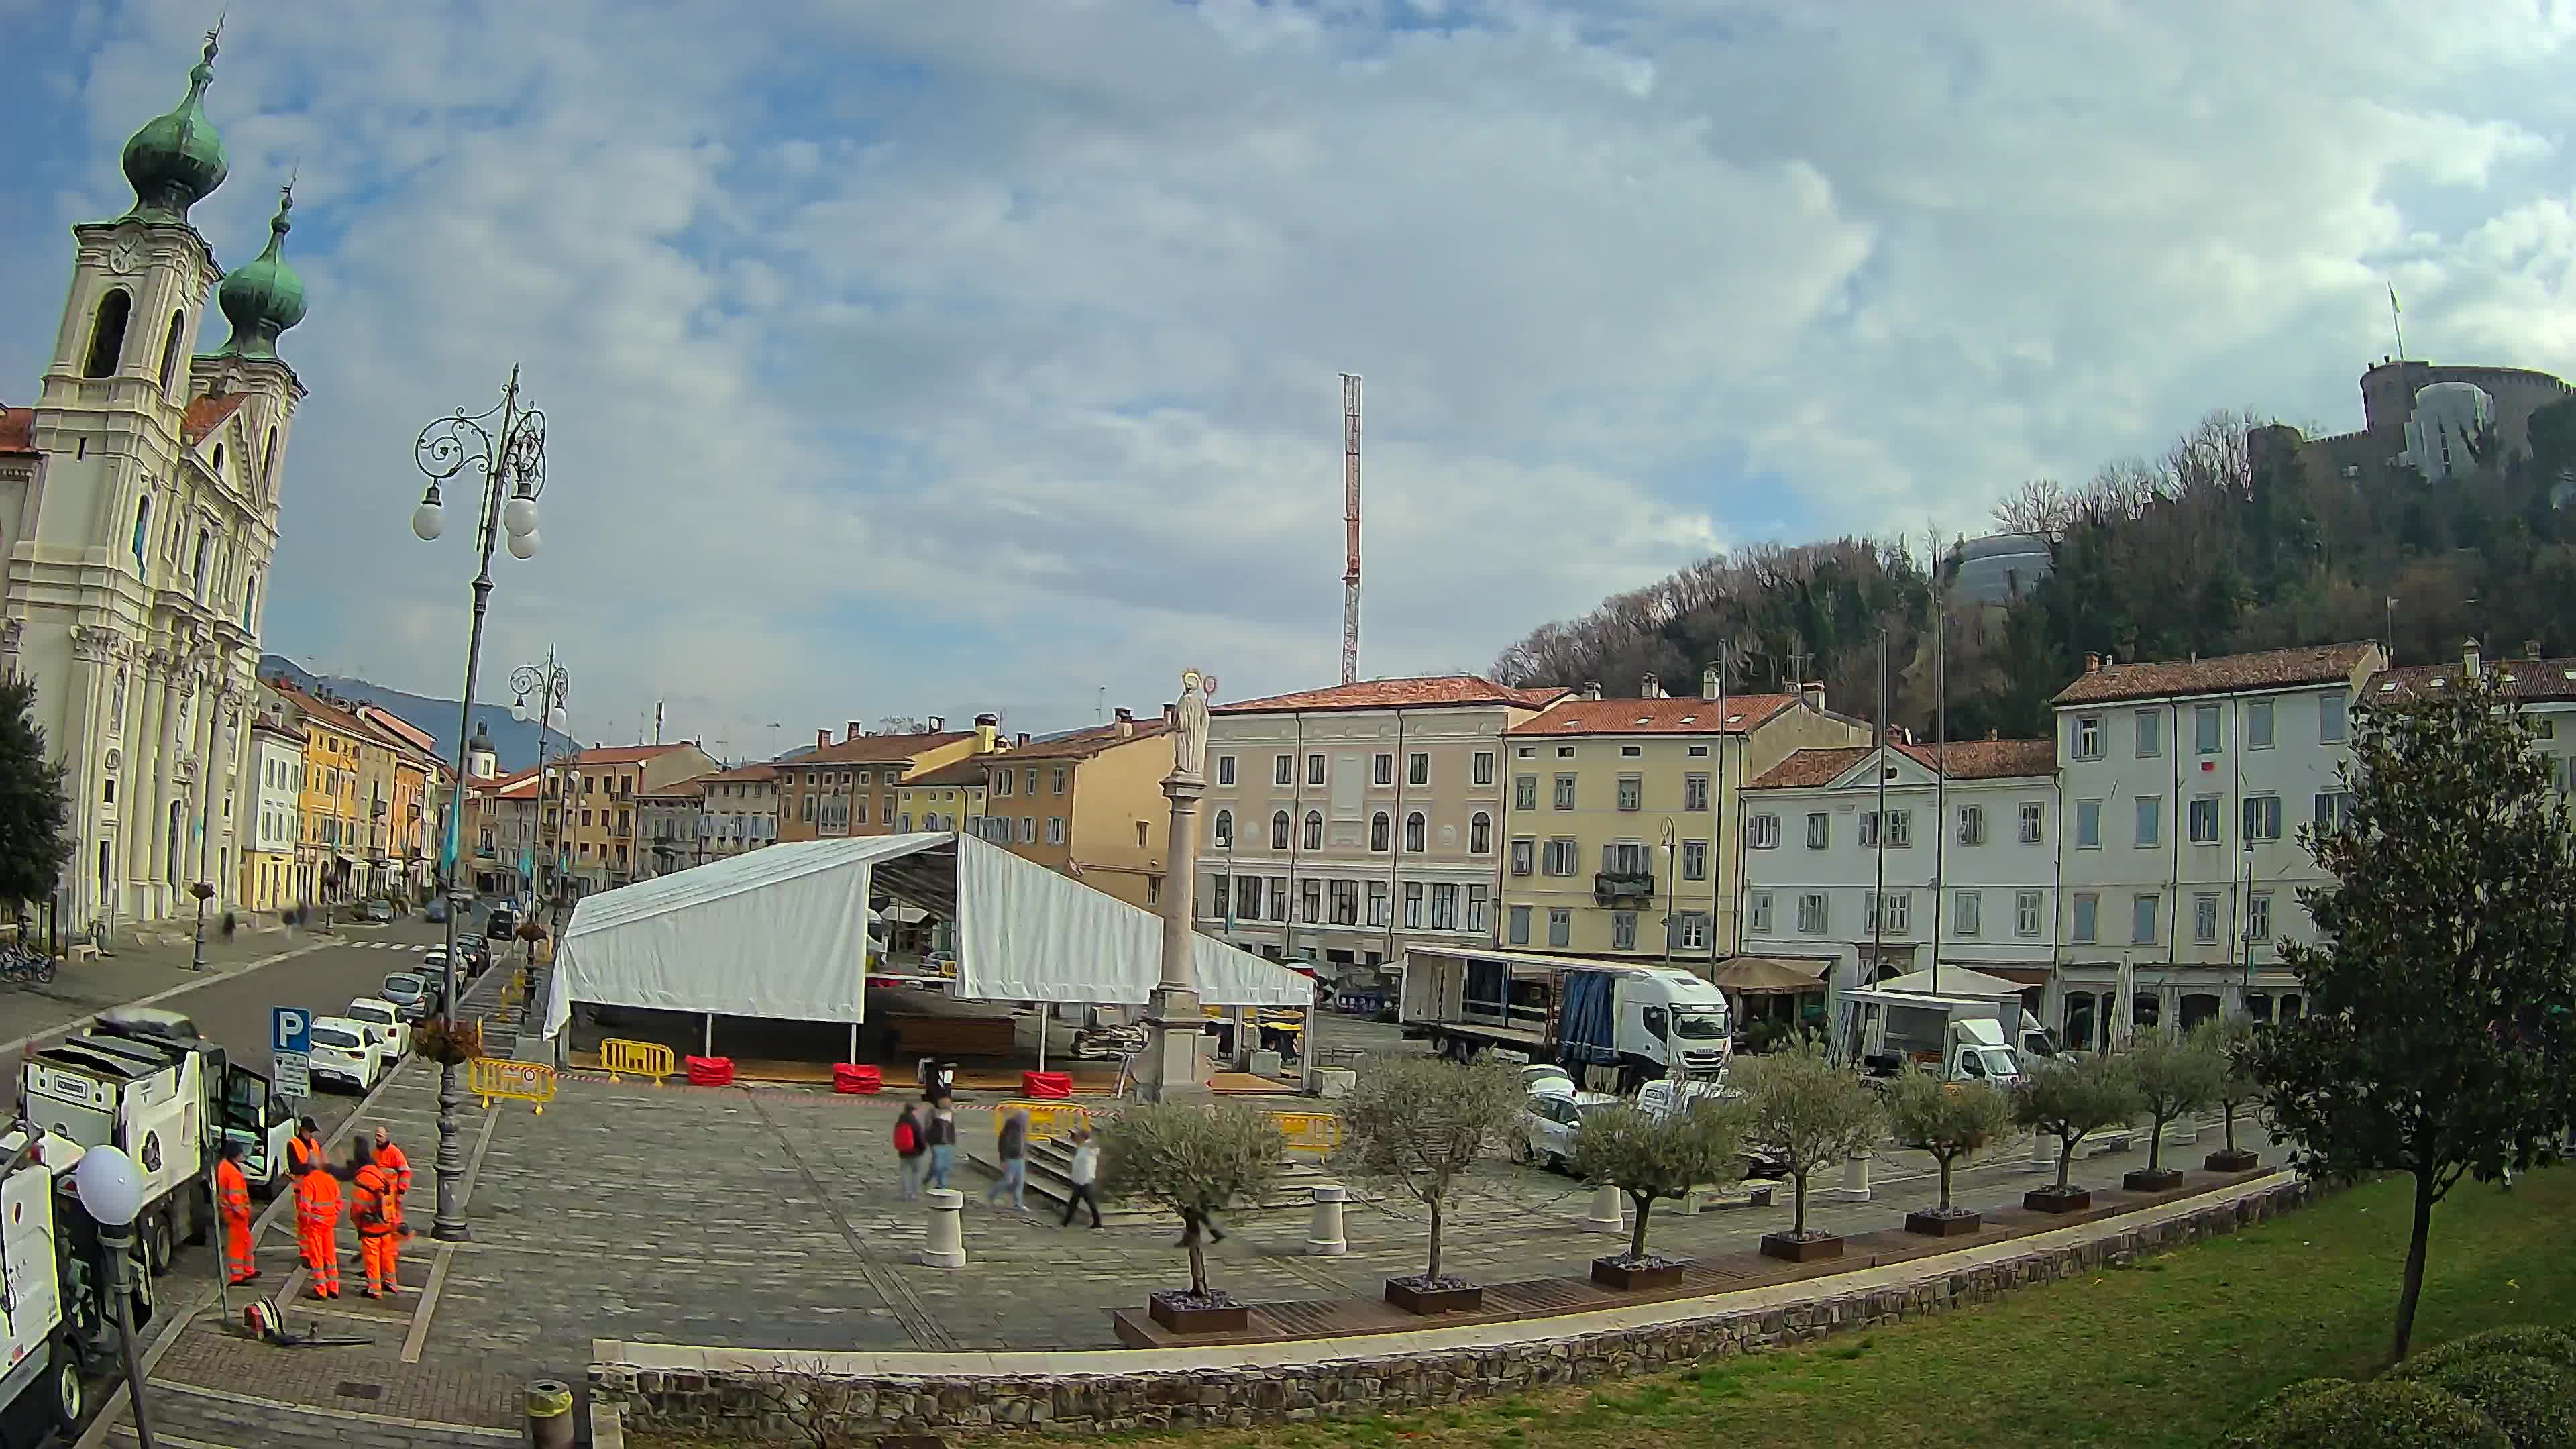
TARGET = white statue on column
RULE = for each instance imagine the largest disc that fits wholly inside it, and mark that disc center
(1190, 730)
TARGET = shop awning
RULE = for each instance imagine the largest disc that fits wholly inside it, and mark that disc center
(1955, 981)
(1760, 975)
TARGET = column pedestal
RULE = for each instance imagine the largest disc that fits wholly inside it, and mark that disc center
(1174, 1065)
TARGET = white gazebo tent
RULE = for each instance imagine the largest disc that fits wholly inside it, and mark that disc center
(783, 933)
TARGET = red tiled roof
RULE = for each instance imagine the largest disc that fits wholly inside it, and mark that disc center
(1967, 760)
(17, 430)
(1671, 716)
(208, 413)
(622, 754)
(678, 789)
(2271, 669)
(330, 714)
(2530, 679)
(745, 774)
(1428, 692)
(873, 749)
(1083, 744)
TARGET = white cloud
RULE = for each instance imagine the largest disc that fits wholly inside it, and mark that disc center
(901, 360)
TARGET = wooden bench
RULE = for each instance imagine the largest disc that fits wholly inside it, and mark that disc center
(955, 1036)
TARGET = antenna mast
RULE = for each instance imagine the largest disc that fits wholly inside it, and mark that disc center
(1351, 527)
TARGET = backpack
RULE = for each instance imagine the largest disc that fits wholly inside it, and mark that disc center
(907, 1141)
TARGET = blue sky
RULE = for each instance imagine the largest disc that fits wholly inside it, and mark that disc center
(913, 358)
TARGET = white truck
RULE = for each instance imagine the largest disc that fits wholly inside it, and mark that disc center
(1611, 1024)
(145, 1082)
(1964, 1038)
(55, 1327)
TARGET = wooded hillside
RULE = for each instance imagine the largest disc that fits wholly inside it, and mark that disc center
(2204, 550)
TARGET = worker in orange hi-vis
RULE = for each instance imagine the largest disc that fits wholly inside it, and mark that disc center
(317, 1225)
(391, 1159)
(232, 1205)
(376, 1207)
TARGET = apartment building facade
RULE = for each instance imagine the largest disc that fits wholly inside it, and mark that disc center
(594, 806)
(268, 882)
(329, 852)
(1862, 863)
(1618, 828)
(666, 828)
(2184, 784)
(502, 844)
(849, 787)
(1342, 825)
(738, 811)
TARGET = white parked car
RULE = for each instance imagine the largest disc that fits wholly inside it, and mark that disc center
(1546, 1076)
(383, 1021)
(1545, 1134)
(343, 1052)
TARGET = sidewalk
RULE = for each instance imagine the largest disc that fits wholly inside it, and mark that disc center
(84, 988)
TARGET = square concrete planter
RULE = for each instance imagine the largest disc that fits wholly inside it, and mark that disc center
(1631, 1278)
(2050, 1200)
(1943, 1225)
(1450, 1295)
(2163, 1179)
(2239, 1160)
(1815, 1247)
(1183, 1313)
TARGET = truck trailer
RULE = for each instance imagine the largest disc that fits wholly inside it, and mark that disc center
(1964, 1038)
(1612, 1024)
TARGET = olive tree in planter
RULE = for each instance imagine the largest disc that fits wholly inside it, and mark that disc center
(2173, 1074)
(2236, 1089)
(2073, 1100)
(1195, 1161)
(1807, 1112)
(1418, 1125)
(1948, 1120)
(1657, 1155)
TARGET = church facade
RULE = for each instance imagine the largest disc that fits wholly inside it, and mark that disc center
(138, 514)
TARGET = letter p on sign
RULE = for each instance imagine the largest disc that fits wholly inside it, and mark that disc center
(290, 1029)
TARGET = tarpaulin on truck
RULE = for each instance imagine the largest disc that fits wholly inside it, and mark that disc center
(1587, 1027)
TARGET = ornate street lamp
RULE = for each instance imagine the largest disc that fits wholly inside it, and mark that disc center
(552, 687)
(110, 1189)
(506, 445)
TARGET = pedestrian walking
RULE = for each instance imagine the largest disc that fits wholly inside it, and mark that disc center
(376, 1207)
(317, 1226)
(911, 1151)
(1011, 1149)
(942, 1133)
(1084, 1173)
(232, 1204)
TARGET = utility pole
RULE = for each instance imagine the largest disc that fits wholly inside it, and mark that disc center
(1940, 753)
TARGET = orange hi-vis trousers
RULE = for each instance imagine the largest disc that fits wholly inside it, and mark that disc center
(382, 1253)
(317, 1230)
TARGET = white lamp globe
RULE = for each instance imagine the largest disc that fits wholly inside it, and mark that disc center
(519, 515)
(519, 709)
(523, 545)
(556, 717)
(110, 1187)
(428, 521)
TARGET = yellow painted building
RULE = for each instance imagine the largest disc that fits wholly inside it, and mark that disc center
(330, 850)
(596, 823)
(1618, 816)
(853, 787)
(1088, 804)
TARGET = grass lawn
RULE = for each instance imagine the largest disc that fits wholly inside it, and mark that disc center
(2166, 1353)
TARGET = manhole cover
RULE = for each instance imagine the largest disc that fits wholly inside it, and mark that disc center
(352, 1389)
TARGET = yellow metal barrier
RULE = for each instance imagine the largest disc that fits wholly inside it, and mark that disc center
(491, 1078)
(513, 990)
(1315, 1132)
(637, 1058)
(1048, 1120)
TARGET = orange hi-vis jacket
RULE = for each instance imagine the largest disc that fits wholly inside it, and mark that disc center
(317, 1204)
(375, 1208)
(232, 1191)
(299, 1157)
(390, 1158)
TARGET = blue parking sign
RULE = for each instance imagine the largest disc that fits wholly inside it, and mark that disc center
(290, 1029)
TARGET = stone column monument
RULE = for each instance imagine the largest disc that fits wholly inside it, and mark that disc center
(1174, 1065)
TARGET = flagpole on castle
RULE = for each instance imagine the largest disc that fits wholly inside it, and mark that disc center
(2394, 324)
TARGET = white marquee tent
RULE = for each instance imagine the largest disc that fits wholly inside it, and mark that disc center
(782, 933)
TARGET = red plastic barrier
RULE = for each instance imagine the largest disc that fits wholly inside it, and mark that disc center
(855, 1079)
(1045, 1084)
(710, 1071)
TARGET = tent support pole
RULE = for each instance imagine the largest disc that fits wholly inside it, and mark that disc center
(854, 1041)
(710, 1048)
(1306, 1053)
(1045, 1011)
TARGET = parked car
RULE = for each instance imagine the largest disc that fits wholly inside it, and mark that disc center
(383, 1022)
(501, 925)
(343, 1051)
(436, 911)
(380, 911)
(1535, 1075)
(1545, 1135)
(409, 992)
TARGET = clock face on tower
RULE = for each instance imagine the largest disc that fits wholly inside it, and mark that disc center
(125, 255)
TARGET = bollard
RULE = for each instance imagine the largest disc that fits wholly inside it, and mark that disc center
(1609, 1213)
(2183, 1131)
(1324, 1236)
(1855, 1186)
(946, 1245)
(549, 1414)
(2043, 1153)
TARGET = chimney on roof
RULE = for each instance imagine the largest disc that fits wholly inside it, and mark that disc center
(2531, 649)
(1650, 687)
(1126, 723)
(1592, 689)
(822, 739)
(2092, 663)
(2469, 656)
(1814, 695)
(1711, 683)
(934, 725)
(988, 732)
(1022, 738)
(850, 730)
(1990, 733)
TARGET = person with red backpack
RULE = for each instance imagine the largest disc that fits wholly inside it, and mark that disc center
(911, 1151)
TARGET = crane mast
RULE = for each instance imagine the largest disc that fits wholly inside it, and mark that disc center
(1351, 527)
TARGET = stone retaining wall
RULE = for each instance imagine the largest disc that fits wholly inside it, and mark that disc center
(755, 1402)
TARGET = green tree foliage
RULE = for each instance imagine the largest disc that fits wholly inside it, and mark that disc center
(2230, 1041)
(1808, 1112)
(2073, 1100)
(35, 819)
(1418, 1124)
(1649, 1156)
(2434, 1044)
(2525, 1397)
(1193, 1160)
(2522, 1340)
(2381, 1414)
(1946, 1119)
(2173, 1074)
